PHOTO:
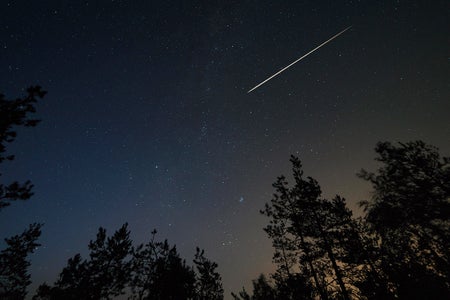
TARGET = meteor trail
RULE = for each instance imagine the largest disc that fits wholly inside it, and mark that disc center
(277, 73)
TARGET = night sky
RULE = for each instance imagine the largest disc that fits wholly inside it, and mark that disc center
(148, 120)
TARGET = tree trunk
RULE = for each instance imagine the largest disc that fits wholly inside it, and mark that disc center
(330, 253)
(322, 292)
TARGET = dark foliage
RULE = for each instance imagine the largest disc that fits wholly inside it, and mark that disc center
(158, 272)
(16, 113)
(14, 263)
(307, 233)
(399, 250)
(103, 276)
(409, 212)
(208, 280)
(412, 188)
(262, 290)
(295, 287)
(154, 271)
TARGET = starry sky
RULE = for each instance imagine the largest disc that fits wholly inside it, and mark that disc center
(148, 121)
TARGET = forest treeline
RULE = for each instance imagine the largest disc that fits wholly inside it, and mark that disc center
(398, 249)
(149, 271)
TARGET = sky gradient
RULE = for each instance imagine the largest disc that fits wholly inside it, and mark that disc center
(148, 121)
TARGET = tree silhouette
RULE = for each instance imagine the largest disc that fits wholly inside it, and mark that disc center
(409, 211)
(14, 277)
(296, 287)
(159, 273)
(104, 276)
(208, 280)
(153, 271)
(412, 187)
(307, 229)
(292, 250)
(243, 295)
(262, 290)
(16, 113)
(398, 250)
(361, 252)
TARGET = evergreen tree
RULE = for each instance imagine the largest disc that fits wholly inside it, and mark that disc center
(296, 287)
(293, 252)
(409, 212)
(262, 290)
(208, 280)
(14, 276)
(308, 229)
(154, 271)
(158, 273)
(16, 113)
(104, 276)
(398, 250)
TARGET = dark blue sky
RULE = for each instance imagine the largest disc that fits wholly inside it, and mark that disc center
(148, 120)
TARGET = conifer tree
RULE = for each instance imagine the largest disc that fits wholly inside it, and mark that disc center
(208, 280)
(14, 262)
(16, 113)
(307, 231)
(409, 212)
(104, 275)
